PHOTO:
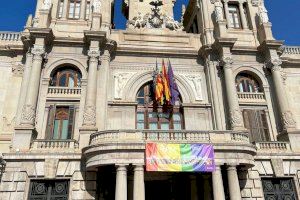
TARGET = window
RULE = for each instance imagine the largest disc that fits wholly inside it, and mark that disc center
(48, 189)
(279, 188)
(60, 9)
(88, 10)
(255, 122)
(247, 83)
(60, 122)
(152, 116)
(74, 9)
(66, 77)
(234, 16)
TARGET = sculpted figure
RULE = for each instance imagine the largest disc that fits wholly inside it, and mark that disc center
(219, 11)
(47, 4)
(263, 13)
(97, 6)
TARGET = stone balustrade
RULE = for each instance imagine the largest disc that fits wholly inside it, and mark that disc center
(290, 50)
(169, 136)
(10, 36)
(41, 144)
(64, 91)
(251, 97)
(274, 146)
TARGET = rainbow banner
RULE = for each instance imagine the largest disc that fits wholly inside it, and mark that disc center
(180, 157)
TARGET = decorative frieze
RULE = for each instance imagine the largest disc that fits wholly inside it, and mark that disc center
(196, 85)
(18, 69)
(288, 120)
(120, 81)
(28, 114)
(89, 116)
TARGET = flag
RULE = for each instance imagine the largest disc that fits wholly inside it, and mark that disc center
(173, 86)
(166, 86)
(158, 85)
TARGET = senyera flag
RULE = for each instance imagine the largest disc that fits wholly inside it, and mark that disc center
(180, 157)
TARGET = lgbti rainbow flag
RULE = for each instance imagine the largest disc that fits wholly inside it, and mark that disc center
(180, 157)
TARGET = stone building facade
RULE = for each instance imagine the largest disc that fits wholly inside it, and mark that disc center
(76, 112)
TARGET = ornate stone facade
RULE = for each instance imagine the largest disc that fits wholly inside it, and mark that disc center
(87, 85)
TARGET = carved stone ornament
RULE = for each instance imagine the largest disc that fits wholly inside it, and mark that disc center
(38, 50)
(288, 120)
(195, 83)
(28, 114)
(89, 116)
(263, 13)
(97, 6)
(255, 2)
(235, 117)
(18, 69)
(219, 11)
(227, 62)
(275, 64)
(94, 53)
(121, 80)
(47, 4)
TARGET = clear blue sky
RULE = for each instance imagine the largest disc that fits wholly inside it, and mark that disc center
(284, 15)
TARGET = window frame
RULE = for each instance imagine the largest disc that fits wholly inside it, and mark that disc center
(69, 71)
(75, 2)
(231, 16)
(60, 6)
(243, 78)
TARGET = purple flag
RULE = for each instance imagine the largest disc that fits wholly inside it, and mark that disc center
(173, 86)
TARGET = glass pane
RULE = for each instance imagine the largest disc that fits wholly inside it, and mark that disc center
(165, 126)
(140, 117)
(77, 10)
(152, 115)
(176, 117)
(177, 126)
(60, 9)
(63, 80)
(71, 81)
(64, 130)
(56, 129)
(153, 126)
(140, 126)
(71, 10)
(140, 101)
(87, 11)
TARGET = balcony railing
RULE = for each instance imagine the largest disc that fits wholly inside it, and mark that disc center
(10, 36)
(273, 146)
(290, 50)
(169, 136)
(64, 91)
(54, 145)
(251, 97)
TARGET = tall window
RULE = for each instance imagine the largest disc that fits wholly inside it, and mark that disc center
(152, 116)
(247, 83)
(88, 10)
(60, 122)
(74, 9)
(66, 77)
(234, 16)
(48, 189)
(255, 122)
(60, 8)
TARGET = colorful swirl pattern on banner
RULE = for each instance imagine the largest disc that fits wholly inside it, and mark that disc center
(180, 157)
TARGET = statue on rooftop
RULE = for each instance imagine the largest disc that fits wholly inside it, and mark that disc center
(47, 4)
(263, 13)
(97, 6)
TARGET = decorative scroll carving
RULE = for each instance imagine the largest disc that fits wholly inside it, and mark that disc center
(89, 116)
(120, 81)
(195, 83)
(226, 62)
(97, 6)
(263, 13)
(274, 64)
(18, 69)
(288, 120)
(47, 4)
(255, 2)
(28, 114)
(93, 53)
(235, 117)
(38, 52)
(219, 11)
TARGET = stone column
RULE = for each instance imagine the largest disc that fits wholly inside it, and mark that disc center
(217, 183)
(89, 116)
(139, 184)
(121, 183)
(29, 109)
(243, 16)
(214, 92)
(24, 86)
(226, 12)
(235, 115)
(287, 118)
(65, 10)
(233, 183)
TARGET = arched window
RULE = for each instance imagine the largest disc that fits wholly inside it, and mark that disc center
(150, 115)
(247, 83)
(66, 77)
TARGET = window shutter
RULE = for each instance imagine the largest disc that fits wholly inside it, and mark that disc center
(50, 122)
(71, 121)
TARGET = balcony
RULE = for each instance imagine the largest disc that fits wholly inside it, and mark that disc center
(64, 92)
(251, 97)
(273, 147)
(54, 145)
(123, 146)
(10, 40)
